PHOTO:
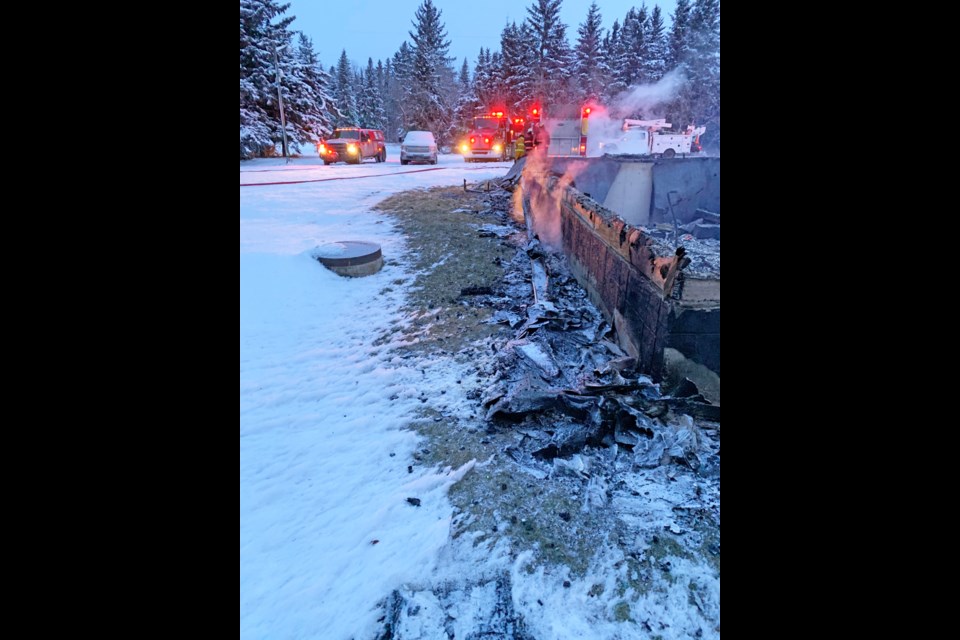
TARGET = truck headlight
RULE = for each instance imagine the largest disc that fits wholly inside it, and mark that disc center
(351, 148)
(497, 148)
(464, 148)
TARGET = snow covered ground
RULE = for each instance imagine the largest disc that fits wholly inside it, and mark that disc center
(325, 527)
(329, 543)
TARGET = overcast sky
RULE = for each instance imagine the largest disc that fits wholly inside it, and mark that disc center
(376, 28)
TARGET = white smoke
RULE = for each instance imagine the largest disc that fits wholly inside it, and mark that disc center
(648, 99)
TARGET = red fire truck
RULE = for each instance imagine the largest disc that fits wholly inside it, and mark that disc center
(492, 136)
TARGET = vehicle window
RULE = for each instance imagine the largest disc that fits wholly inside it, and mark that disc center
(419, 138)
(486, 123)
(346, 135)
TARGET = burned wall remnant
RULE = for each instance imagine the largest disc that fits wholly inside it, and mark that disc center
(659, 285)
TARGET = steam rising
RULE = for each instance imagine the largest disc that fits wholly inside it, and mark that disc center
(606, 125)
(648, 100)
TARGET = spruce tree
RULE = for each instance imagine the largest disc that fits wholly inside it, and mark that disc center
(309, 107)
(344, 93)
(551, 59)
(613, 58)
(466, 100)
(655, 66)
(264, 34)
(432, 77)
(703, 68)
(514, 64)
(634, 50)
(679, 42)
(399, 94)
(591, 71)
(370, 100)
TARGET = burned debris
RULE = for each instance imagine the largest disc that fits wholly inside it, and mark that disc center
(579, 448)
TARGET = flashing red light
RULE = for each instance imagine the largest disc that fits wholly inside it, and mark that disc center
(583, 148)
(536, 111)
(486, 140)
(473, 140)
(587, 110)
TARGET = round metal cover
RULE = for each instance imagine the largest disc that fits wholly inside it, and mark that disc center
(348, 253)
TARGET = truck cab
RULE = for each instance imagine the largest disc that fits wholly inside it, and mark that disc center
(488, 139)
(352, 145)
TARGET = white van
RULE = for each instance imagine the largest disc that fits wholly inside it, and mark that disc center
(418, 146)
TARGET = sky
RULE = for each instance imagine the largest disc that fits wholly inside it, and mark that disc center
(376, 28)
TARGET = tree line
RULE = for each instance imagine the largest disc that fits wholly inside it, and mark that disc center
(419, 87)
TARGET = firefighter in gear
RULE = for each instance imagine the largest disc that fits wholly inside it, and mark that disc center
(529, 139)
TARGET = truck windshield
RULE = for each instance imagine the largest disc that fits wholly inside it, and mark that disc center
(486, 123)
(346, 135)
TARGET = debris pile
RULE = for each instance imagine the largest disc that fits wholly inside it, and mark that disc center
(563, 372)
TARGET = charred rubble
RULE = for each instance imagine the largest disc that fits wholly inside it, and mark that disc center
(563, 372)
(579, 449)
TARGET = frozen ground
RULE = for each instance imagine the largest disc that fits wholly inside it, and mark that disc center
(342, 524)
(323, 450)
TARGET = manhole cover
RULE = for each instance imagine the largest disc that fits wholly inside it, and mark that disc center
(350, 257)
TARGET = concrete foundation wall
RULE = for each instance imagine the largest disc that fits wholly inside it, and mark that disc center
(696, 182)
(637, 189)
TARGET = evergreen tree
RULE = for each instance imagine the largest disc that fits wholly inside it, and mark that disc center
(551, 57)
(695, 49)
(613, 58)
(254, 128)
(591, 70)
(344, 93)
(655, 66)
(370, 100)
(309, 107)
(432, 78)
(497, 84)
(484, 82)
(634, 51)
(264, 33)
(400, 89)
(466, 100)
(703, 68)
(679, 45)
(390, 101)
(516, 64)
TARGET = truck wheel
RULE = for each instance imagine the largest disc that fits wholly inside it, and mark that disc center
(669, 153)
(404, 162)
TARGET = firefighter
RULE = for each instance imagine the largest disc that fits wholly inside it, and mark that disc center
(528, 138)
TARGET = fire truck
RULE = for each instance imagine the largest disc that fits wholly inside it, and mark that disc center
(493, 136)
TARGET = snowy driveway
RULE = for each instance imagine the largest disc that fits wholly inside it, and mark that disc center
(325, 527)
